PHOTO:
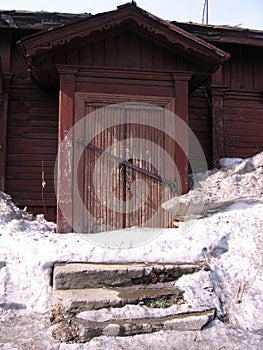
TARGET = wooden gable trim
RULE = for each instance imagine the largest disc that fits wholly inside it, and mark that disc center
(128, 15)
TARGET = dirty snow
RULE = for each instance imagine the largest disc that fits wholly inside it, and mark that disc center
(229, 239)
(242, 182)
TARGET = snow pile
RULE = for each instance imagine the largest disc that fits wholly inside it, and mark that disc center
(227, 237)
(14, 219)
(239, 182)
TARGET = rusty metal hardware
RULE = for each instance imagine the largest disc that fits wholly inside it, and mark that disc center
(171, 183)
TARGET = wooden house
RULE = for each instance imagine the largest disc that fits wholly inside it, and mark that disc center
(57, 68)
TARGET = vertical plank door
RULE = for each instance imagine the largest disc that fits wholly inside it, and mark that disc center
(121, 168)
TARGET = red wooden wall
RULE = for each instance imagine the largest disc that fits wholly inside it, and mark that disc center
(33, 112)
(32, 146)
(243, 123)
(243, 101)
(120, 50)
(244, 71)
(32, 120)
(200, 122)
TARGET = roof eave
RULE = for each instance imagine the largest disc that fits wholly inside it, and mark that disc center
(59, 36)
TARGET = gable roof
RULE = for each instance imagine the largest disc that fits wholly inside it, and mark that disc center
(40, 20)
(137, 19)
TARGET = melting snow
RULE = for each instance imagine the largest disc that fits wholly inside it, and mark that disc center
(230, 240)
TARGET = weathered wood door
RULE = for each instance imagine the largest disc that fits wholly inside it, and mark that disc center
(123, 172)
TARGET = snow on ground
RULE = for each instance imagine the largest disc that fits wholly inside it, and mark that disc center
(230, 240)
(217, 189)
(228, 162)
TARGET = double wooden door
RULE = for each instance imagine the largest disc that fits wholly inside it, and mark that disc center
(124, 171)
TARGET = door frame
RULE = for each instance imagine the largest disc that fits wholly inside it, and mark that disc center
(70, 98)
(81, 100)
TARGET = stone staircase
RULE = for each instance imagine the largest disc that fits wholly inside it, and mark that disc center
(91, 300)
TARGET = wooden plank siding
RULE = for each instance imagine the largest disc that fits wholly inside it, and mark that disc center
(243, 101)
(121, 50)
(200, 122)
(121, 61)
(243, 123)
(244, 71)
(32, 146)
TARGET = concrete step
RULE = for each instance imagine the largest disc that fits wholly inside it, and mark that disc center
(74, 301)
(80, 330)
(86, 275)
(83, 291)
